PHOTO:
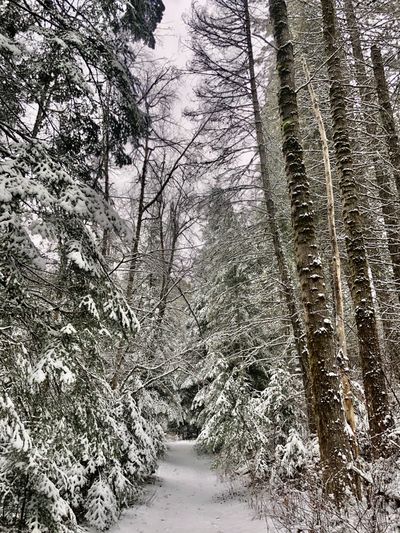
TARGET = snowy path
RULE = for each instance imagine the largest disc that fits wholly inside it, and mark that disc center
(188, 498)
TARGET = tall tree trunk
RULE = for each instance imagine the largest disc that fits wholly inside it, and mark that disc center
(335, 268)
(288, 290)
(139, 221)
(371, 360)
(333, 440)
(165, 264)
(43, 104)
(168, 263)
(383, 181)
(386, 112)
(105, 170)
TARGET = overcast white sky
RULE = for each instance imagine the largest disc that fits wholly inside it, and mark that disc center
(171, 44)
(171, 33)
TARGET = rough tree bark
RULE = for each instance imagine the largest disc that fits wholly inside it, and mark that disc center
(335, 267)
(383, 181)
(371, 360)
(333, 440)
(386, 112)
(288, 290)
(387, 196)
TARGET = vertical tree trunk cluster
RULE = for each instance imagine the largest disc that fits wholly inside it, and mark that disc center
(333, 439)
(360, 285)
(383, 180)
(386, 112)
(335, 266)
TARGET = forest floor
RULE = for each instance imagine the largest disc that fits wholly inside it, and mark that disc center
(188, 497)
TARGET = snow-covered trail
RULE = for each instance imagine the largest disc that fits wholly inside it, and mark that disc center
(188, 498)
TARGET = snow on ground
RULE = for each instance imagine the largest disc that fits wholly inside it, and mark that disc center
(188, 498)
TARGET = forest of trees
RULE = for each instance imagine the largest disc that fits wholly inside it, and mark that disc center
(211, 252)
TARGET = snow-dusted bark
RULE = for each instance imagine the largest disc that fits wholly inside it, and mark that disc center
(383, 180)
(386, 112)
(288, 290)
(333, 439)
(335, 266)
(360, 286)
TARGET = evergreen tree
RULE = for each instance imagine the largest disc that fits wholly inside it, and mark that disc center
(244, 387)
(71, 449)
(332, 434)
(231, 91)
